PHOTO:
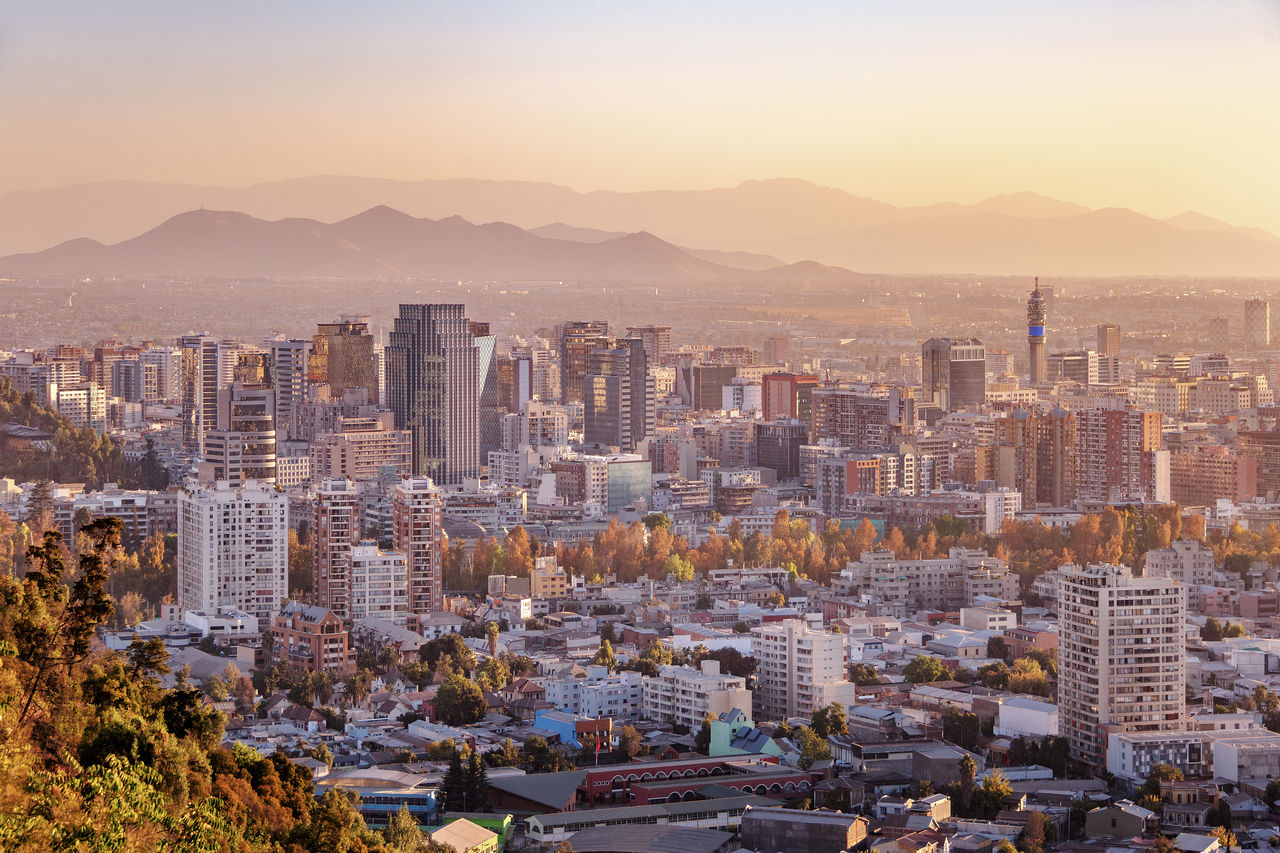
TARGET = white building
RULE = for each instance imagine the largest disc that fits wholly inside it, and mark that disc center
(1185, 560)
(684, 696)
(233, 549)
(800, 669)
(599, 694)
(379, 584)
(1247, 756)
(1019, 716)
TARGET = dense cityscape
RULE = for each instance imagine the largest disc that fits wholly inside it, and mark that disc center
(582, 582)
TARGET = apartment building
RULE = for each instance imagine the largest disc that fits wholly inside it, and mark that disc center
(945, 584)
(378, 584)
(684, 695)
(800, 669)
(1121, 657)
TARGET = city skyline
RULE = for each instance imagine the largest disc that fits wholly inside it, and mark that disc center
(912, 103)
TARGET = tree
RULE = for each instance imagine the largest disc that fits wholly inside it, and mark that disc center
(506, 756)
(968, 771)
(605, 657)
(403, 834)
(460, 701)
(301, 567)
(630, 742)
(996, 647)
(1234, 629)
(1027, 677)
(702, 740)
(493, 674)
(961, 728)
(988, 798)
(864, 674)
(1159, 773)
(1033, 833)
(1212, 630)
(741, 627)
(491, 632)
(357, 687)
(925, 668)
(830, 720)
(812, 747)
(1225, 837)
(477, 784)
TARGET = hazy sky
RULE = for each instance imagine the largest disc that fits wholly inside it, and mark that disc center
(1162, 106)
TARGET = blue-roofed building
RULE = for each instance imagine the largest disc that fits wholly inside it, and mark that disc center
(733, 733)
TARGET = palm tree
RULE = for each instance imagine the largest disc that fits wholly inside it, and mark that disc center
(320, 686)
(357, 687)
(491, 631)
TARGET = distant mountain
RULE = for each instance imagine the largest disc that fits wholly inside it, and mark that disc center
(758, 222)
(381, 243)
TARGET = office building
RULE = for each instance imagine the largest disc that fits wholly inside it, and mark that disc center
(342, 356)
(574, 341)
(433, 386)
(363, 448)
(1037, 314)
(1109, 339)
(243, 447)
(1257, 324)
(787, 395)
(863, 417)
(618, 405)
(83, 404)
(656, 341)
(777, 350)
(233, 549)
(1121, 657)
(800, 669)
(288, 378)
(954, 373)
(418, 533)
(337, 528)
(199, 381)
(777, 446)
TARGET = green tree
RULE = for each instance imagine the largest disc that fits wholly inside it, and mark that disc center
(830, 720)
(988, 798)
(996, 647)
(506, 756)
(925, 668)
(460, 702)
(1212, 630)
(1159, 773)
(1033, 833)
(630, 742)
(812, 747)
(403, 834)
(477, 782)
(702, 740)
(968, 772)
(605, 657)
(864, 674)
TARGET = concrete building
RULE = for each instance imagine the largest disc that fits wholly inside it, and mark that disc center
(199, 381)
(618, 395)
(287, 366)
(1257, 324)
(363, 448)
(1132, 755)
(599, 694)
(84, 404)
(337, 528)
(1035, 455)
(342, 356)
(1119, 456)
(418, 533)
(310, 638)
(863, 417)
(944, 584)
(788, 395)
(1037, 314)
(800, 669)
(548, 580)
(1121, 657)
(233, 549)
(378, 584)
(1247, 757)
(684, 695)
(1109, 339)
(1185, 560)
(243, 447)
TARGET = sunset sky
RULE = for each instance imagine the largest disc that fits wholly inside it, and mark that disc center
(1161, 106)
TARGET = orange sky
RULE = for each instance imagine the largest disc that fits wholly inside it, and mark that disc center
(1160, 106)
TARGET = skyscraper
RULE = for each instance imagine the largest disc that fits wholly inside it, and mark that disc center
(657, 341)
(417, 533)
(954, 372)
(575, 340)
(243, 447)
(288, 378)
(433, 386)
(1118, 456)
(1035, 454)
(1109, 338)
(1036, 316)
(342, 355)
(619, 405)
(1257, 324)
(336, 529)
(489, 403)
(199, 379)
(1121, 657)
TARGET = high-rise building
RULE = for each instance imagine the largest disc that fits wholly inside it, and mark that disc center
(378, 584)
(342, 356)
(801, 669)
(1118, 456)
(363, 448)
(1109, 339)
(1218, 335)
(777, 350)
(574, 340)
(288, 378)
(1036, 316)
(1200, 475)
(200, 379)
(787, 395)
(1121, 657)
(777, 446)
(1257, 324)
(433, 386)
(233, 549)
(657, 341)
(417, 532)
(337, 527)
(1075, 366)
(954, 372)
(1263, 448)
(243, 447)
(618, 404)
(863, 417)
(1035, 455)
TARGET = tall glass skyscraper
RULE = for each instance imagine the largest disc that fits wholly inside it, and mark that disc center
(433, 389)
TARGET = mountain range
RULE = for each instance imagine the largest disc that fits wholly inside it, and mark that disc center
(382, 243)
(747, 227)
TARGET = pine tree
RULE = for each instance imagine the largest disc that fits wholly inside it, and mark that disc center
(453, 790)
(477, 784)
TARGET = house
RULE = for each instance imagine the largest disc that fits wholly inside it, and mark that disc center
(790, 831)
(1123, 819)
(522, 688)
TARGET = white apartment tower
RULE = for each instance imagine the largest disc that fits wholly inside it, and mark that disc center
(801, 669)
(417, 532)
(378, 583)
(336, 530)
(233, 549)
(1121, 657)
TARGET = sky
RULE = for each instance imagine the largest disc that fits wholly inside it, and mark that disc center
(1161, 106)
